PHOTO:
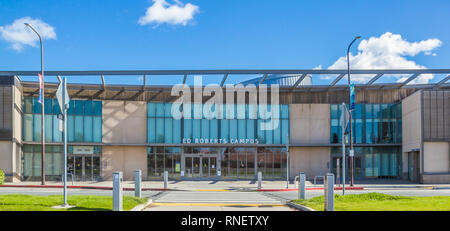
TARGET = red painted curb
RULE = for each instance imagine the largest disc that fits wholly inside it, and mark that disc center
(294, 189)
(80, 187)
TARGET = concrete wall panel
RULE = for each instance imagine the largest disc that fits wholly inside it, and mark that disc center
(125, 159)
(311, 160)
(437, 157)
(124, 122)
(310, 123)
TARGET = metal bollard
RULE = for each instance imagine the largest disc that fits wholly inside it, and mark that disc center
(117, 191)
(301, 186)
(166, 176)
(329, 192)
(137, 183)
(259, 179)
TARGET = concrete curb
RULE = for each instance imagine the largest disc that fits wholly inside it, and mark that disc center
(299, 207)
(142, 206)
(311, 188)
(83, 187)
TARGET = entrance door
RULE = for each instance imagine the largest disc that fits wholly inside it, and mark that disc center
(200, 167)
(83, 168)
(78, 170)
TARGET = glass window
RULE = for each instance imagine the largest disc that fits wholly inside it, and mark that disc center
(37, 127)
(176, 131)
(28, 127)
(187, 125)
(79, 104)
(97, 108)
(160, 130)
(88, 129)
(88, 109)
(168, 132)
(48, 128)
(151, 130)
(70, 128)
(57, 134)
(79, 125)
(28, 105)
(196, 129)
(37, 107)
(241, 128)
(48, 106)
(205, 128)
(97, 129)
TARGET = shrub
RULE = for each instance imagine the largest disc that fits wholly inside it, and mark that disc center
(2, 176)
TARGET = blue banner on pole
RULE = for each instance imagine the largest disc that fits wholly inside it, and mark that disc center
(352, 96)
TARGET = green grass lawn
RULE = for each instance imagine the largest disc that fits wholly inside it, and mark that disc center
(20, 202)
(380, 202)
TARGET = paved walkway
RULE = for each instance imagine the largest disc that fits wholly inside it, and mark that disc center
(216, 201)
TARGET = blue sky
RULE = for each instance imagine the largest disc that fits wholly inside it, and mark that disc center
(223, 34)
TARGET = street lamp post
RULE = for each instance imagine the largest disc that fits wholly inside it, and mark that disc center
(350, 112)
(43, 106)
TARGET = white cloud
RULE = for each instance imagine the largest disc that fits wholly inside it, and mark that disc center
(20, 35)
(388, 51)
(163, 12)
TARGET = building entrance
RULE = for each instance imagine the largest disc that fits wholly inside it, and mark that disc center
(83, 167)
(200, 166)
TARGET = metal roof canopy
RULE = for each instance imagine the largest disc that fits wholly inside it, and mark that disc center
(341, 73)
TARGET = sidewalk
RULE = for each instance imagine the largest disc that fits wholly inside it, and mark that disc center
(223, 185)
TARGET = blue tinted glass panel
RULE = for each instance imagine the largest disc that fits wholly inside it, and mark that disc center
(48, 128)
(28, 127)
(233, 129)
(88, 129)
(159, 109)
(242, 129)
(151, 111)
(79, 128)
(187, 129)
(196, 129)
(250, 129)
(205, 129)
(71, 128)
(160, 130)
(269, 133)
(97, 129)
(97, 107)
(79, 107)
(37, 107)
(37, 127)
(224, 130)
(88, 108)
(28, 105)
(151, 129)
(168, 110)
(285, 130)
(48, 106)
(176, 131)
(214, 129)
(284, 111)
(168, 130)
